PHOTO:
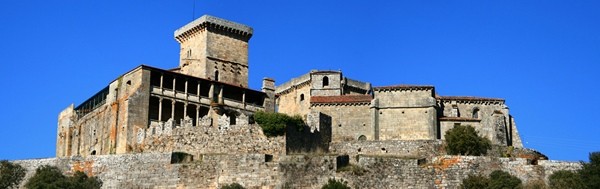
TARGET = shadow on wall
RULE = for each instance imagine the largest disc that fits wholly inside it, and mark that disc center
(309, 138)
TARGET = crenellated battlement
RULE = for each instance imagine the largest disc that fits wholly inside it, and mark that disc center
(216, 24)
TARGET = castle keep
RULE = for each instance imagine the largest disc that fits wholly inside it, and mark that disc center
(192, 127)
(208, 88)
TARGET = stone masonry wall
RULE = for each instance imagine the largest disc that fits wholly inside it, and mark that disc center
(407, 123)
(487, 114)
(348, 121)
(318, 87)
(234, 139)
(290, 102)
(398, 148)
(155, 170)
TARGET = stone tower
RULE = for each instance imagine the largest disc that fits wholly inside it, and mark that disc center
(215, 49)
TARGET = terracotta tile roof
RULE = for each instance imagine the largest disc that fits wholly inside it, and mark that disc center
(341, 99)
(458, 119)
(468, 98)
(391, 87)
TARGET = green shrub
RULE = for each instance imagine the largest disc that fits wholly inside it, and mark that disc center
(10, 174)
(497, 180)
(274, 124)
(500, 179)
(335, 184)
(232, 186)
(535, 184)
(590, 172)
(475, 182)
(565, 179)
(50, 177)
(464, 140)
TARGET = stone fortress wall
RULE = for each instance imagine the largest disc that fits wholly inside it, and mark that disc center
(158, 170)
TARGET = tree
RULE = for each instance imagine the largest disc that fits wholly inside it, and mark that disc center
(274, 124)
(565, 180)
(500, 180)
(464, 140)
(335, 184)
(10, 174)
(475, 182)
(47, 177)
(497, 180)
(81, 180)
(52, 178)
(590, 172)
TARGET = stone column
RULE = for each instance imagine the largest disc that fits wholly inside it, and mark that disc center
(221, 94)
(185, 90)
(197, 115)
(244, 99)
(185, 109)
(174, 84)
(211, 92)
(173, 109)
(161, 82)
(160, 99)
(198, 90)
(375, 118)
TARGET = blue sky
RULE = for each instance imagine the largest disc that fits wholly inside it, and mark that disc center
(541, 56)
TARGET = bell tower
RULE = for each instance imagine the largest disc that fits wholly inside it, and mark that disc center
(215, 49)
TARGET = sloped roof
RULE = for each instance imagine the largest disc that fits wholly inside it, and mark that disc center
(341, 99)
(468, 98)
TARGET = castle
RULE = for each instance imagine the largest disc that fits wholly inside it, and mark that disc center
(192, 127)
(209, 88)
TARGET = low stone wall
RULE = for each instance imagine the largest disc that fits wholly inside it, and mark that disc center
(115, 171)
(388, 172)
(451, 170)
(551, 166)
(409, 148)
(155, 170)
(307, 171)
(235, 139)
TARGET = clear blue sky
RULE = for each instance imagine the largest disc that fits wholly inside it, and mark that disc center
(541, 56)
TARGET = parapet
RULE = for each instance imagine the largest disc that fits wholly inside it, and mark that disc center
(403, 87)
(208, 21)
(466, 99)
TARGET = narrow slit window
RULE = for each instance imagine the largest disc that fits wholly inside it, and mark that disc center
(325, 81)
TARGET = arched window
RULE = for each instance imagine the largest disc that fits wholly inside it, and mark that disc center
(301, 97)
(217, 75)
(362, 138)
(325, 81)
(476, 113)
